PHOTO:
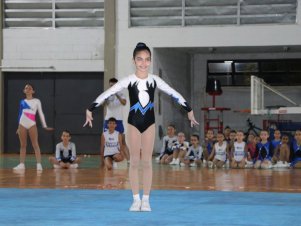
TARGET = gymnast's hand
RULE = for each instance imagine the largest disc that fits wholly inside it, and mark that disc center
(89, 118)
(193, 122)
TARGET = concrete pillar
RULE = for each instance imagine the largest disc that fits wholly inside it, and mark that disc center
(1, 83)
(110, 40)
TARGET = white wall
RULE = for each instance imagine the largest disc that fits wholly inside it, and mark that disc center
(65, 49)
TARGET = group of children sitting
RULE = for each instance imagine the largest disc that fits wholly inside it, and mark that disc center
(228, 149)
(111, 150)
(231, 149)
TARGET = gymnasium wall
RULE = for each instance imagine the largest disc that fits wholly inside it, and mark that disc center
(65, 49)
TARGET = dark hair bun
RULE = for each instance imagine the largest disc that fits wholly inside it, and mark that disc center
(140, 45)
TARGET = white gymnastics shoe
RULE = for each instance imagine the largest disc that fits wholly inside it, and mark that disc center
(145, 207)
(136, 206)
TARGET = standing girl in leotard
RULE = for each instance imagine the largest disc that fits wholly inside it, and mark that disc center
(27, 125)
(141, 120)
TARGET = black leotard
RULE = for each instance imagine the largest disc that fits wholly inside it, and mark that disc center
(141, 94)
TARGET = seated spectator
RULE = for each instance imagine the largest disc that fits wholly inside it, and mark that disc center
(65, 153)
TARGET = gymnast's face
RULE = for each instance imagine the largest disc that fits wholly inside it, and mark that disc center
(28, 90)
(264, 135)
(181, 138)
(240, 136)
(210, 134)
(220, 137)
(277, 135)
(284, 139)
(298, 136)
(142, 61)
(194, 140)
(251, 138)
(65, 137)
(112, 125)
(232, 136)
(170, 131)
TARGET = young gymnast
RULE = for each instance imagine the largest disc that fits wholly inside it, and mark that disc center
(227, 131)
(251, 146)
(282, 153)
(113, 107)
(111, 149)
(296, 150)
(232, 137)
(65, 153)
(275, 143)
(277, 139)
(264, 152)
(141, 120)
(239, 151)
(27, 126)
(179, 149)
(168, 142)
(194, 155)
(209, 142)
(220, 152)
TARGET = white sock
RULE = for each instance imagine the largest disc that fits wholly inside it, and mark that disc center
(136, 197)
(145, 197)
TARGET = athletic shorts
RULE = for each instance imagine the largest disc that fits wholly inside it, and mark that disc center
(110, 156)
(119, 126)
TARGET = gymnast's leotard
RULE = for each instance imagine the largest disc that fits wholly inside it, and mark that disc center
(264, 151)
(141, 94)
(27, 113)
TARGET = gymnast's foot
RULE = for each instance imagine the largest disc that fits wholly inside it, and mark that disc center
(136, 206)
(21, 166)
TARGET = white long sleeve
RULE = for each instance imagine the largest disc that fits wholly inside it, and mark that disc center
(41, 114)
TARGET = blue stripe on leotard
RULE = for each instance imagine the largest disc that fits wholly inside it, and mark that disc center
(23, 105)
(138, 106)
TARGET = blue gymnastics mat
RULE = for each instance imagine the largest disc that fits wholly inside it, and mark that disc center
(57, 207)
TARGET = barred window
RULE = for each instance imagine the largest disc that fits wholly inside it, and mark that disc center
(211, 12)
(280, 72)
(53, 13)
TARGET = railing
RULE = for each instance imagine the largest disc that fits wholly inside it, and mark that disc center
(53, 13)
(211, 12)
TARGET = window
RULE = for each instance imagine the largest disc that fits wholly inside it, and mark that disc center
(282, 72)
(211, 12)
(53, 13)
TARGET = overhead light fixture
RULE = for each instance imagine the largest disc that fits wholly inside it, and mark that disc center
(228, 61)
